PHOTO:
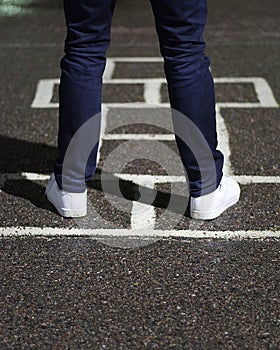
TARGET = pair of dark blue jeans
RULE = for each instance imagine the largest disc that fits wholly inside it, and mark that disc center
(180, 25)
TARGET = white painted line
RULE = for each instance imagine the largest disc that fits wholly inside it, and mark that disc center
(44, 102)
(6, 232)
(142, 216)
(242, 179)
(223, 142)
(34, 176)
(152, 92)
(249, 179)
(136, 81)
(104, 113)
(44, 94)
(142, 178)
(138, 179)
(158, 137)
(264, 93)
(142, 105)
(241, 105)
(235, 80)
(109, 69)
(24, 176)
(137, 59)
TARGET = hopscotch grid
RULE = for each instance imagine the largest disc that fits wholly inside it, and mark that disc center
(263, 91)
(152, 86)
(152, 98)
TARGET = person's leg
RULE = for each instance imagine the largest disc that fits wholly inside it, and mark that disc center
(88, 36)
(180, 25)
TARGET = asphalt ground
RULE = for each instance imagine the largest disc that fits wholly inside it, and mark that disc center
(63, 288)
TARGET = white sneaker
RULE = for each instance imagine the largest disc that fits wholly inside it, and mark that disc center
(68, 204)
(212, 205)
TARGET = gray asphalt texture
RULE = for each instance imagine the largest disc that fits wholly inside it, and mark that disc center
(79, 294)
(83, 293)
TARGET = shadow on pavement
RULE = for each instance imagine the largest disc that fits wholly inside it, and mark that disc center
(17, 156)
